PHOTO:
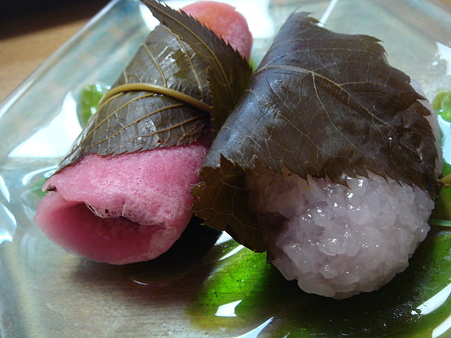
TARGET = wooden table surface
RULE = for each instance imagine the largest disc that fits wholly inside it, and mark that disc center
(28, 39)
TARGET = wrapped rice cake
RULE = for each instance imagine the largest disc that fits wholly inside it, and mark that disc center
(122, 194)
(329, 162)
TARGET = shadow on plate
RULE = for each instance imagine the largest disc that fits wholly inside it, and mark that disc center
(173, 276)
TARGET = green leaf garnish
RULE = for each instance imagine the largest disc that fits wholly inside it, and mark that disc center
(89, 100)
(442, 104)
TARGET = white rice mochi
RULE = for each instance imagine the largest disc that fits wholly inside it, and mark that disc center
(339, 241)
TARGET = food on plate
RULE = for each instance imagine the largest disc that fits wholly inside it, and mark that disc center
(122, 194)
(330, 162)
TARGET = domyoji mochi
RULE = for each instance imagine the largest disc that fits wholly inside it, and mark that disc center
(330, 162)
(340, 240)
(133, 206)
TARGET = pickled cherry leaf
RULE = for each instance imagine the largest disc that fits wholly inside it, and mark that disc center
(227, 205)
(139, 119)
(228, 72)
(321, 104)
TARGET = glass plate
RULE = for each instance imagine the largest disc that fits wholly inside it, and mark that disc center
(229, 291)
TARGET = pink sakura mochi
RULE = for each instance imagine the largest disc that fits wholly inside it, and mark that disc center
(133, 207)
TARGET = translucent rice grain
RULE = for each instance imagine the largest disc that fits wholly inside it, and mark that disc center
(339, 241)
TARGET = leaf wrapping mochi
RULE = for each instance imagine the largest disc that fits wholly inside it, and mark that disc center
(329, 162)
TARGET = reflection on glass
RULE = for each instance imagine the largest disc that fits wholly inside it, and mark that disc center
(445, 128)
(231, 253)
(444, 52)
(28, 177)
(4, 190)
(147, 16)
(56, 138)
(7, 224)
(442, 328)
(255, 332)
(436, 301)
(227, 310)
(327, 13)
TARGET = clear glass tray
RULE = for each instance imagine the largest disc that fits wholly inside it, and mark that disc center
(229, 291)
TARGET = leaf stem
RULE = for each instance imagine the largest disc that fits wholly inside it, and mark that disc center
(158, 90)
(446, 180)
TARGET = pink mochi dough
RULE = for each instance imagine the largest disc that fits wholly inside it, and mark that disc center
(122, 209)
(226, 22)
(133, 207)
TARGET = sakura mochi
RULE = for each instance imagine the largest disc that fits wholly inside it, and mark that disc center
(122, 194)
(330, 162)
